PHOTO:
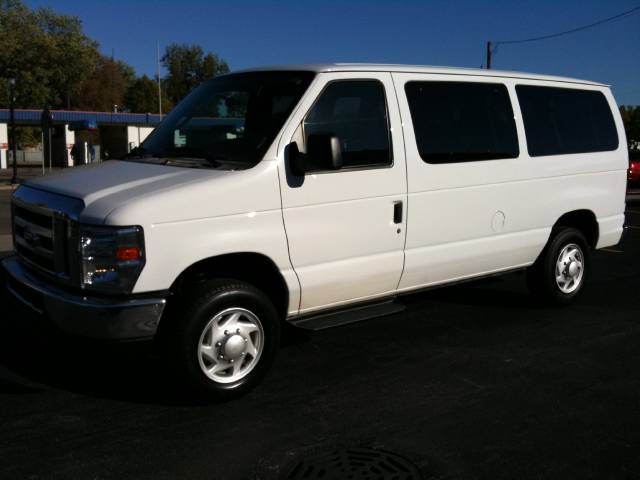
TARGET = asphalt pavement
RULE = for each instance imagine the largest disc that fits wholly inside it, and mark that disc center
(471, 381)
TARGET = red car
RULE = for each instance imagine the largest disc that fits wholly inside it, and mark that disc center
(633, 175)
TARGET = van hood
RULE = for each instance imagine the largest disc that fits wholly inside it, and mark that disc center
(135, 193)
(90, 183)
(105, 186)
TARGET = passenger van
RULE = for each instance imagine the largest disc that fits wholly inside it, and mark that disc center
(317, 195)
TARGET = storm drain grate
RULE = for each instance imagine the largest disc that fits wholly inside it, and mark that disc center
(354, 464)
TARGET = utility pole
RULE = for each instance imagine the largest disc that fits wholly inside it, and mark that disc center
(159, 84)
(12, 123)
(113, 81)
(488, 55)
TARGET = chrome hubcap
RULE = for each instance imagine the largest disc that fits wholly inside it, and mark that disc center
(230, 345)
(569, 268)
(234, 347)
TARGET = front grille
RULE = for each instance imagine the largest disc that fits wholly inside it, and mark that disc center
(45, 233)
(33, 233)
(42, 238)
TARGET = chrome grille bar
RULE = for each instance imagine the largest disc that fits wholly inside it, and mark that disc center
(33, 239)
(37, 229)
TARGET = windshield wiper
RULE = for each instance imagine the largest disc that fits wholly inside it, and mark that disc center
(187, 152)
(191, 162)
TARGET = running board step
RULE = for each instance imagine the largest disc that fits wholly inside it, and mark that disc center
(351, 315)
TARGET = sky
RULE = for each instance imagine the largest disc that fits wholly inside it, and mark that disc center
(449, 33)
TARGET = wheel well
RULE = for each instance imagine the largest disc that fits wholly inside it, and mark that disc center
(583, 220)
(254, 268)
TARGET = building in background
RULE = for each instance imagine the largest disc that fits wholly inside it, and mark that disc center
(107, 134)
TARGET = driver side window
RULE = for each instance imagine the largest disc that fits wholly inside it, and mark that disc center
(355, 111)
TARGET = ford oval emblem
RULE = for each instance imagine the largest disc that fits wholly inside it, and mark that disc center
(30, 236)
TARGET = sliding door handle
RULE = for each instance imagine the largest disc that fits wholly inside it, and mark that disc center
(397, 211)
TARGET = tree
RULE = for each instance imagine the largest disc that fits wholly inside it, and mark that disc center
(106, 86)
(142, 96)
(187, 67)
(631, 119)
(47, 53)
(56, 64)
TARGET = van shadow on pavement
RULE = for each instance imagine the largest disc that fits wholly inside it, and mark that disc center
(39, 357)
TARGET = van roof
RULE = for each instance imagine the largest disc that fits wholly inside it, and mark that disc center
(379, 67)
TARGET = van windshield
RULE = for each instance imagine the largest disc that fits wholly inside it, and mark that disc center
(232, 119)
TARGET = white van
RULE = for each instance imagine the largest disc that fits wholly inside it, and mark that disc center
(316, 195)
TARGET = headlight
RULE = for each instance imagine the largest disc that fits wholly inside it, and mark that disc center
(112, 257)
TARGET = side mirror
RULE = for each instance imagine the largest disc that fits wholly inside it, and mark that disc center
(296, 159)
(323, 153)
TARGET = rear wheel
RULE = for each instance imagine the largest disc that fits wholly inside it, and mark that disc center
(225, 339)
(559, 274)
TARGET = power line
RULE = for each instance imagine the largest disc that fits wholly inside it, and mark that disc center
(492, 47)
(573, 30)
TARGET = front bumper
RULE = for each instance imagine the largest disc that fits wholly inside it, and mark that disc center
(104, 318)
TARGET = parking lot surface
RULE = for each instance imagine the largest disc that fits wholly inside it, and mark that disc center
(471, 381)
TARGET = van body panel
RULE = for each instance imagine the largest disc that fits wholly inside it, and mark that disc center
(431, 69)
(343, 242)
(467, 219)
(208, 216)
(610, 230)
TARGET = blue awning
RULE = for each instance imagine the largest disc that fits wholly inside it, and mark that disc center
(69, 116)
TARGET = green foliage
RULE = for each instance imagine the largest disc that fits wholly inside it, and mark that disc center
(47, 53)
(142, 96)
(106, 86)
(187, 67)
(56, 64)
(28, 137)
(631, 118)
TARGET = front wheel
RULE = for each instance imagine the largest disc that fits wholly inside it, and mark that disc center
(559, 274)
(226, 339)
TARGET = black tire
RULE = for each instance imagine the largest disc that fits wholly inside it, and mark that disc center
(182, 339)
(541, 276)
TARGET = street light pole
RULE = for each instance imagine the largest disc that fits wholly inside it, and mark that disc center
(12, 123)
(159, 80)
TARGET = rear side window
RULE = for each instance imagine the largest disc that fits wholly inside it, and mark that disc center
(355, 111)
(462, 121)
(562, 120)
